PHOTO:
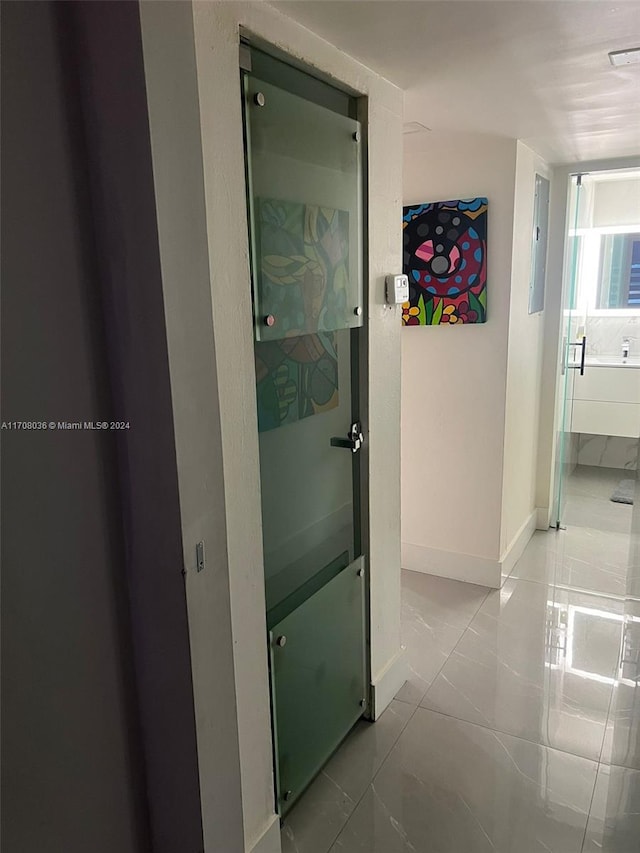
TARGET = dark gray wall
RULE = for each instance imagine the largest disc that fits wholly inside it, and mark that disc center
(98, 730)
(103, 47)
(70, 776)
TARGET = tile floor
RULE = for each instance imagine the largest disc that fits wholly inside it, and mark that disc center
(588, 491)
(518, 729)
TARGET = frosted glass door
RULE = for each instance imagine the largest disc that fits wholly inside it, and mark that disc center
(318, 679)
(305, 206)
(305, 200)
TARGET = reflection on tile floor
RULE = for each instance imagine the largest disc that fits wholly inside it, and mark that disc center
(614, 819)
(580, 558)
(538, 663)
(452, 786)
(518, 729)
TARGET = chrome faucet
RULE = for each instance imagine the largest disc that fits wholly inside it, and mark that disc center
(626, 346)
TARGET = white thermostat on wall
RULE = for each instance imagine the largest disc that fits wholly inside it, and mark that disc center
(397, 290)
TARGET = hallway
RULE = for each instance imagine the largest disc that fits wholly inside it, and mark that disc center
(519, 727)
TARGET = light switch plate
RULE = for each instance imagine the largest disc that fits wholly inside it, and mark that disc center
(200, 556)
(397, 289)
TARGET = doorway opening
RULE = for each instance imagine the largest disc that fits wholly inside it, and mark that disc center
(599, 388)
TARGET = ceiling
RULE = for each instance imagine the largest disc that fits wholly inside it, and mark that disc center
(536, 70)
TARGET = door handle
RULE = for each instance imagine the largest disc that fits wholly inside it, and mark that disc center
(583, 353)
(353, 441)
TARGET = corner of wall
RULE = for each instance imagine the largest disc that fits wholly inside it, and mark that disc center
(385, 684)
(516, 547)
(524, 362)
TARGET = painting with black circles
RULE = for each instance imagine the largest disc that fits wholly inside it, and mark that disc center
(445, 259)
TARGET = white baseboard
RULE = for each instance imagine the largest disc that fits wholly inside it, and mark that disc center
(543, 517)
(467, 567)
(451, 564)
(388, 682)
(517, 545)
(269, 841)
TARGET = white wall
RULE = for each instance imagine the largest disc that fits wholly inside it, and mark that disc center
(471, 394)
(524, 366)
(217, 31)
(617, 202)
(454, 379)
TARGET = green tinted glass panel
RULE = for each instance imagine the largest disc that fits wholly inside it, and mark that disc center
(318, 679)
(305, 204)
(307, 485)
(305, 201)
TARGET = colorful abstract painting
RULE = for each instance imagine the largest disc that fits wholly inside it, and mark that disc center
(295, 378)
(445, 259)
(303, 268)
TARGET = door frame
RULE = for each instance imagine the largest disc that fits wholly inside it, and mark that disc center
(554, 300)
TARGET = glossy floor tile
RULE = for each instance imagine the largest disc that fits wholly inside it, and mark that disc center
(453, 787)
(538, 663)
(588, 504)
(614, 819)
(598, 513)
(622, 739)
(317, 819)
(595, 481)
(518, 729)
(435, 613)
(580, 558)
(314, 823)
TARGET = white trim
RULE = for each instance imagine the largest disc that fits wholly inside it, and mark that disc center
(269, 841)
(543, 517)
(519, 542)
(388, 682)
(468, 567)
(450, 564)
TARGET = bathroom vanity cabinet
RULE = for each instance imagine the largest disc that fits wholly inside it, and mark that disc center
(606, 399)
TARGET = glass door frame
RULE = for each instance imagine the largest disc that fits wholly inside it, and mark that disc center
(358, 337)
(567, 367)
